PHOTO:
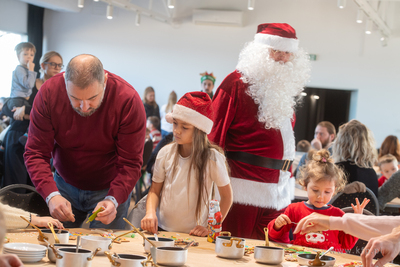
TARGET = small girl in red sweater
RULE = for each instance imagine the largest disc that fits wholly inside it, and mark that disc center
(322, 179)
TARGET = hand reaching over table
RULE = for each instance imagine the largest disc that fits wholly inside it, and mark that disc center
(43, 222)
(10, 260)
(358, 208)
(388, 245)
(199, 231)
(60, 208)
(108, 214)
(150, 222)
(312, 223)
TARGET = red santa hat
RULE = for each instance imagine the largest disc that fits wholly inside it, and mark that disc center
(279, 36)
(194, 108)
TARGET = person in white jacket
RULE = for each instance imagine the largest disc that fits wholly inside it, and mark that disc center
(383, 233)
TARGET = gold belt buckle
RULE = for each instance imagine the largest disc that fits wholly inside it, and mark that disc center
(286, 165)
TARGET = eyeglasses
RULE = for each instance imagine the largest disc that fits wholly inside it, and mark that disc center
(54, 65)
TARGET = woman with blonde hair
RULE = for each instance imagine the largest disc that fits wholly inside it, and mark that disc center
(150, 104)
(166, 127)
(354, 151)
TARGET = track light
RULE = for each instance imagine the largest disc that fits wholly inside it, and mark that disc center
(95, 0)
(341, 3)
(110, 10)
(250, 4)
(137, 21)
(360, 15)
(383, 40)
(368, 27)
(81, 3)
(171, 3)
(315, 97)
(303, 94)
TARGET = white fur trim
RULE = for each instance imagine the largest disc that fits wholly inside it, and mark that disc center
(191, 116)
(288, 140)
(264, 195)
(277, 42)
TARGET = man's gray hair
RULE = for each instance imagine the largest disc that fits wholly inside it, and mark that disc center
(84, 72)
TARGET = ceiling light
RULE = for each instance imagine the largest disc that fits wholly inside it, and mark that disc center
(171, 3)
(368, 27)
(315, 97)
(360, 15)
(137, 22)
(110, 10)
(383, 41)
(341, 3)
(81, 3)
(303, 93)
(95, 0)
(250, 4)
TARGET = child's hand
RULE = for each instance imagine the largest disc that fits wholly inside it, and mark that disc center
(360, 207)
(42, 221)
(199, 231)
(150, 223)
(31, 65)
(281, 221)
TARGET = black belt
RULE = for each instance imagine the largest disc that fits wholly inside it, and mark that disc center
(276, 164)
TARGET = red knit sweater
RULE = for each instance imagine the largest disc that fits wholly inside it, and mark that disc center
(323, 240)
(102, 151)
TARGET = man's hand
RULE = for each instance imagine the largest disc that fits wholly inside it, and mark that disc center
(108, 214)
(19, 113)
(312, 223)
(281, 221)
(388, 245)
(150, 222)
(199, 231)
(358, 208)
(10, 260)
(316, 143)
(31, 65)
(42, 221)
(60, 208)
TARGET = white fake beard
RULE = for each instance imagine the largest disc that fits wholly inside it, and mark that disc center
(274, 86)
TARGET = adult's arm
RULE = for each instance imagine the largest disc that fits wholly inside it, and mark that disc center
(129, 149)
(389, 190)
(224, 113)
(361, 226)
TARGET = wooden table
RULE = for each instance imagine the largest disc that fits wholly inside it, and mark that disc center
(203, 255)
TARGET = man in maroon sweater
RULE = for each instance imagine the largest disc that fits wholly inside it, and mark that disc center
(93, 124)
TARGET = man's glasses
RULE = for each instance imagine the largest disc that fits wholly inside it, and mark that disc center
(54, 65)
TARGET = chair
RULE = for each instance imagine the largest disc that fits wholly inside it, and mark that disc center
(137, 213)
(342, 200)
(31, 201)
(148, 148)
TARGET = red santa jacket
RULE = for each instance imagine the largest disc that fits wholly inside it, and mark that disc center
(236, 128)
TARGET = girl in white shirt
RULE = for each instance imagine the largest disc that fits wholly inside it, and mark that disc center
(185, 171)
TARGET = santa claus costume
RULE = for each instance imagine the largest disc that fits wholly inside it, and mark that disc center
(253, 123)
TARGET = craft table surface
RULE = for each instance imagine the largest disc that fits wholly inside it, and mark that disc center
(203, 255)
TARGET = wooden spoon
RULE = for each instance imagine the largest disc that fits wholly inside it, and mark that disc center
(56, 240)
(140, 233)
(41, 237)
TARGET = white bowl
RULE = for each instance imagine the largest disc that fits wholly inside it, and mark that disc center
(63, 236)
(93, 242)
(162, 242)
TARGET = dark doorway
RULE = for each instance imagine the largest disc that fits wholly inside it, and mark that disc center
(321, 105)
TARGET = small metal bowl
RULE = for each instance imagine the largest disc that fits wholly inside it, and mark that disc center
(268, 255)
(304, 259)
(169, 256)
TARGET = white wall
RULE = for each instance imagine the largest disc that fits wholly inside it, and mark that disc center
(13, 16)
(171, 58)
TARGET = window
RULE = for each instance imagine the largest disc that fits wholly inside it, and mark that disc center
(9, 59)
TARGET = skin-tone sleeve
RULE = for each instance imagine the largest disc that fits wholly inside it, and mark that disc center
(364, 226)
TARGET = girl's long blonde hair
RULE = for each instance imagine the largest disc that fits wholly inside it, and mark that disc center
(322, 167)
(201, 154)
(146, 92)
(172, 99)
(355, 142)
